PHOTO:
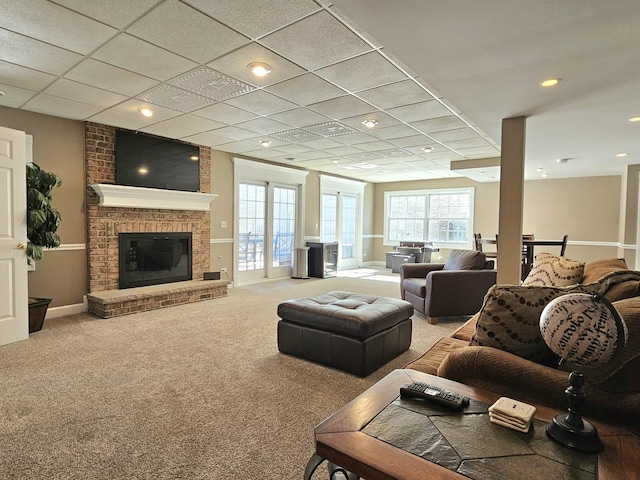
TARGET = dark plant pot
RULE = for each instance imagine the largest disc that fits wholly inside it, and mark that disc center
(37, 312)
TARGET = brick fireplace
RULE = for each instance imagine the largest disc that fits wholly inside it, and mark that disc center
(105, 223)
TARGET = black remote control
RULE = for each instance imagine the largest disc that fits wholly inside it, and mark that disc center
(435, 394)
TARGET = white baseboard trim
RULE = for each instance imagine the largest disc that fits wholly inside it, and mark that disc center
(64, 310)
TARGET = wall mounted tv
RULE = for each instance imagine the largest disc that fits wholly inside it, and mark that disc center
(148, 161)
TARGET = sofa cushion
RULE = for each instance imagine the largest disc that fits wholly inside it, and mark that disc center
(594, 271)
(510, 315)
(553, 271)
(465, 260)
(417, 286)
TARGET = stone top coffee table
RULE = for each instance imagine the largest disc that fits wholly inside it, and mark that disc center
(379, 436)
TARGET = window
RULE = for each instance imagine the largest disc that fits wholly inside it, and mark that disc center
(441, 216)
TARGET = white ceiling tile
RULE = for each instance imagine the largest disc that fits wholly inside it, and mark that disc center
(373, 146)
(175, 98)
(233, 133)
(323, 143)
(54, 105)
(187, 32)
(207, 138)
(396, 95)
(108, 77)
(419, 111)
(440, 124)
(294, 148)
(193, 122)
(299, 117)
(341, 107)
(382, 118)
(18, 76)
(228, 114)
(355, 138)
(362, 72)
(456, 134)
(346, 150)
(478, 152)
(118, 14)
(236, 64)
(159, 113)
(396, 131)
(237, 147)
(255, 17)
(141, 57)
(469, 143)
(54, 25)
(83, 93)
(119, 119)
(14, 97)
(265, 153)
(261, 103)
(417, 141)
(306, 89)
(316, 41)
(25, 51)
(165, 129)
(263, 125)
(211, 84)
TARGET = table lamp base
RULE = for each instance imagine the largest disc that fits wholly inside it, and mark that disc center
(584, 438)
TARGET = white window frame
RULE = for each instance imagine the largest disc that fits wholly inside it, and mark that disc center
(426, 192)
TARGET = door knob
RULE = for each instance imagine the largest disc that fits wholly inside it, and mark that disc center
(20, 246)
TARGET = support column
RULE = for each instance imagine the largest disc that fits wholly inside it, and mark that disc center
(511, 200)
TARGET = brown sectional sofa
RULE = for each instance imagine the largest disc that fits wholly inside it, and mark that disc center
(612, 397)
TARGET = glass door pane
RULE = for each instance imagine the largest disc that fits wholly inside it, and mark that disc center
(348, 230)
(329, 218)
(251, 228)
(283, 227)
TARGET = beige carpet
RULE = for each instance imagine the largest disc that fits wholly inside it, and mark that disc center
(192, 392)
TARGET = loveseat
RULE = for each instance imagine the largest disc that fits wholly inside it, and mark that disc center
(454, 288)
(500, 347)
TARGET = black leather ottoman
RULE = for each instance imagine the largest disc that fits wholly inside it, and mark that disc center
(353, 332)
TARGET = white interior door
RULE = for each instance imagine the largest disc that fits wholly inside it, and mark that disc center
(14, 323)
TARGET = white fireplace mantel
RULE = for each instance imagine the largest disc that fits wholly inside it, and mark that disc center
(141, 197)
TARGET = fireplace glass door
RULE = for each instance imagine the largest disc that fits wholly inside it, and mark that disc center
(154, 258)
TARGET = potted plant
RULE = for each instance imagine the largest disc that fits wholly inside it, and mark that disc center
(42, 224)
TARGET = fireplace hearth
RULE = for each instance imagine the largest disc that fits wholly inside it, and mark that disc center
(154, 258)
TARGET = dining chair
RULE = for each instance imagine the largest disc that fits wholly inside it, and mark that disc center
(479, 242)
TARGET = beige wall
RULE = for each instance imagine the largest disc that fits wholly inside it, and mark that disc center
(58, 146)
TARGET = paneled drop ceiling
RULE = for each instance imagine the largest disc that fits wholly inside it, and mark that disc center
(101, 61)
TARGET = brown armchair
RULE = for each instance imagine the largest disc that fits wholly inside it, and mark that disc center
(454, 288)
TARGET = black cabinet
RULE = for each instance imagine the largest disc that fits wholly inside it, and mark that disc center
(323, 259)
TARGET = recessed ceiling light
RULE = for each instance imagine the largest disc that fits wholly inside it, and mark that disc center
(545, 174)
(428, 149)
(549, 82)
(290, 159)
(2, 93)
(621, 155)
(562, 160)
(146, 111)
(265, 143)
(335, 161)
(480, 173)
(259, 69)
(539, 169)
(370, 123)
(634, 119)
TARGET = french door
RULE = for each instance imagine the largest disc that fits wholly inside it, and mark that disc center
(266, 230)
(339, 220)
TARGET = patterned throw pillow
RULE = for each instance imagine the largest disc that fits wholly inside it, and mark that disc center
(509, 320)
(552, 271)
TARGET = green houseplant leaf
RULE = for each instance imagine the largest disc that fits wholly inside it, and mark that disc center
(42, 219)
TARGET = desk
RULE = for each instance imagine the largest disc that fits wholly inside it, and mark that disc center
(345, 438)
(529, 256)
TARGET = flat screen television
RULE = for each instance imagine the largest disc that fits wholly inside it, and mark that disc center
(147, 161)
